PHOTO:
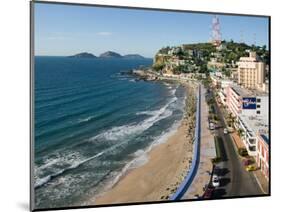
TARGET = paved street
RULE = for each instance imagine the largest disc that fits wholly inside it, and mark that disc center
(235, 180)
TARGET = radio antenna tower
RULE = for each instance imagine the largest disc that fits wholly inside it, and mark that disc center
(216, 32)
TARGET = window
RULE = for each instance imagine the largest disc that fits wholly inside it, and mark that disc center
(258, 100)
(258, 112)
(258, 106)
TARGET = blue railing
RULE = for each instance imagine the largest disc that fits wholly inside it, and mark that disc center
(196, 154)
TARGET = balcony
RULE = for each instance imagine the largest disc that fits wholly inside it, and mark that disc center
(252, 148)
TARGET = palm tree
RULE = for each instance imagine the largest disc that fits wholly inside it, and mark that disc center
(231, 120)
(241, 132)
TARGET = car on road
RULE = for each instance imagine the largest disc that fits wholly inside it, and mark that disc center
(217, 170)
(250, 168)
(212, 126)
(215, 181)
(225, 131)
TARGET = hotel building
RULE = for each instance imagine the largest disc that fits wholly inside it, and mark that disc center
(238, 98)
(250, 108)
(251, 72)
(251, 127)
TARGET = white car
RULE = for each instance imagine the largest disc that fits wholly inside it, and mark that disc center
(211, 126)
(215, 181)
(225, 131)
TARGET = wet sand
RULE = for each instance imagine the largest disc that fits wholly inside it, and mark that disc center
(159, 178)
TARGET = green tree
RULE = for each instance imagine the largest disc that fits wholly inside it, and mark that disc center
(240, 132)
(158, 67)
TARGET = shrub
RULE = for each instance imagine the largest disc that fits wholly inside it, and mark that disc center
(216, 160)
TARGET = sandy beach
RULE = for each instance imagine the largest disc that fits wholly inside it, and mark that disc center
(166, 168)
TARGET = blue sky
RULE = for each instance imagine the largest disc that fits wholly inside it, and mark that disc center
(66, 29)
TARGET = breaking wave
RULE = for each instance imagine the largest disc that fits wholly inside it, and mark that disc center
(117, 133)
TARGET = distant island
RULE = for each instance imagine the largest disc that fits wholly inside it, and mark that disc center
(108, 54)
(133, 56)
(83, 55)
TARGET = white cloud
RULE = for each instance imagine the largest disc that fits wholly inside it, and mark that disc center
(104, 33)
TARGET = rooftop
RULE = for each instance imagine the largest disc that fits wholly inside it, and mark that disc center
(251, 58)
(256, 124)
(246, 92)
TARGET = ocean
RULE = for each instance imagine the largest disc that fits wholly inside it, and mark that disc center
(93, 123)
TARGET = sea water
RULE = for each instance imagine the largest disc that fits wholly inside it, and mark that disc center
(93, 123)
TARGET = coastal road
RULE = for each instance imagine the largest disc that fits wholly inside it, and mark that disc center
(234, 179)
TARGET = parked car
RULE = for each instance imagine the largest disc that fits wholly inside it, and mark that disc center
(208, 193)
(215, 181)
(225, 131)
(247, 162)
(217, 170)
(211, 126)
(230, 129)
(250, 168)
(243, 152)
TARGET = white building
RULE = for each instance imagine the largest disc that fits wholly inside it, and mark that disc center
(241, 101)
(251, 127)
(224, 84)
(250, 109)
(251, 72)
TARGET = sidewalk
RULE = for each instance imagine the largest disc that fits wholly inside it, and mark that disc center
(207, 152)
(262, 181)
(237, 140)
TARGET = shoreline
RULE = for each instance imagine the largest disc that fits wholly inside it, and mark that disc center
(168, 162)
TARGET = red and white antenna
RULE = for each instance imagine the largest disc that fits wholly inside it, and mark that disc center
(216, 31)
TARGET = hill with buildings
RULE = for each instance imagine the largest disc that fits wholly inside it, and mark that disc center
(205, 57)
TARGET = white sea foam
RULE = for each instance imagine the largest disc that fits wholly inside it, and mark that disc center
(76, 163)
(149, 113)
(120, 132)
(74, 160)
(86, 119)
(141, 156)
(173, 92)
(49, 162)
(140, 160)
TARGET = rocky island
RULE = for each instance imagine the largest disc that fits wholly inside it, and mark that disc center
(110, 54)
(107, 54)
(133, 56)
(83, 55)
